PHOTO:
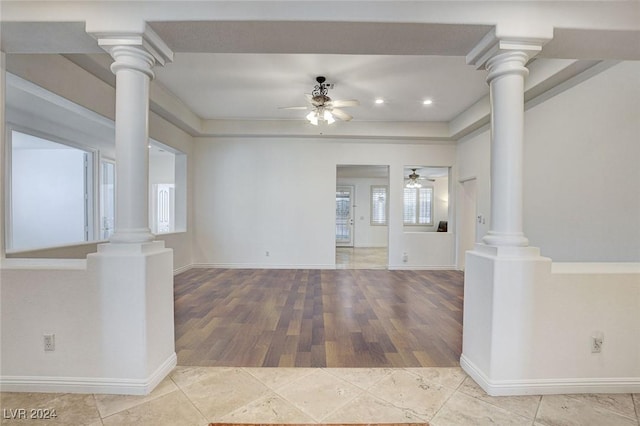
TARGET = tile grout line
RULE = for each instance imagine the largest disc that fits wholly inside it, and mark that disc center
(319, 421)
(455, 391)
(635, 407)
(189, 399)
(538, 409)
(95, 401)
(604, 410)
(497, 406)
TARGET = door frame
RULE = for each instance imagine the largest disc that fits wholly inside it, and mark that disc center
(468, 227)
(352, 194)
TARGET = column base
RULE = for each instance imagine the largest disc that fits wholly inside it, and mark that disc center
(499, 287)
(135, 283)
(134, 235)
(505, 239)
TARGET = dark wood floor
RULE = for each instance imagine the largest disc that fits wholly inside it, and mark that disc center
(318, 318)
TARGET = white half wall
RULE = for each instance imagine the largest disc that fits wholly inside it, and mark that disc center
(112, 317)
(254, 196)
(535, 337)
(529, 322)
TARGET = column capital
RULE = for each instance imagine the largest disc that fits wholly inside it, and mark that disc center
(133, 58)
(493, 45)
(147, 41)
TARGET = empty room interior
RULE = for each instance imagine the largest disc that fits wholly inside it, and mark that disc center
(320, 212)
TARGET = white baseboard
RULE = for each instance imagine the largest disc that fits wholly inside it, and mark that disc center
(260, 266)
(401, 267)
(550, 386)
(404, 267)
(88, 385)
(182, 269)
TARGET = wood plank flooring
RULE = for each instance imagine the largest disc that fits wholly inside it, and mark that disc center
(318, 318)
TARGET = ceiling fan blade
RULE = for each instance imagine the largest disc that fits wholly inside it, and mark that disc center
(341, 114)
(294, 107)
(345, 103)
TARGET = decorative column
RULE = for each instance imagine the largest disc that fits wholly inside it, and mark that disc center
(133, 274)
(505, 62)
(506, 84)
(134, 57)
(503, 274)
(132, 67)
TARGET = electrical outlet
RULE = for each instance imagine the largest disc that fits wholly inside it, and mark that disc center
(49, 342)
(405, 257)
(596, 343)
(266, 253)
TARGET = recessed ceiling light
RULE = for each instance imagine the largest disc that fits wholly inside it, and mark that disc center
(427, 102)
(379, 101)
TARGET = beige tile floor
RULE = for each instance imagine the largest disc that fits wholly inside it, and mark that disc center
(361, 258)
(441, 396)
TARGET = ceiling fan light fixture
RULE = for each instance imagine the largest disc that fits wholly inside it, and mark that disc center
(313, 118)
(412, 181)
(328, 117)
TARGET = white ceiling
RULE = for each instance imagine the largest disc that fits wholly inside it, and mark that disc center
(254, 86)
(248, 69)
(232, 68)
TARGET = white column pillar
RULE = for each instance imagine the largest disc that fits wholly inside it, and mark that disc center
(132, 67)
(133, 274)
(503, 275)
(506, 81)
(3, 152)
(505, 60)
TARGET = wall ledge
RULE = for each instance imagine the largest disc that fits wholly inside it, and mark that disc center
(595, 268)
(43, 264)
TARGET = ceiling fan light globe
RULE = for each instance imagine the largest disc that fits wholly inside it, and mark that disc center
(313, 118)
(328, 117)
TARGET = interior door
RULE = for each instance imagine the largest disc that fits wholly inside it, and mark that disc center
(468, 234)
(344, 216)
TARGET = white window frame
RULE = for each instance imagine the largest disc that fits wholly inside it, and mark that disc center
(418, 207)
(386, 205)
(91, 170)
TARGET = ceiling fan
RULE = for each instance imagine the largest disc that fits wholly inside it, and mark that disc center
(413, 180)
(323, 108)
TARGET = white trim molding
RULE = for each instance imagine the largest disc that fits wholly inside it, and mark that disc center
(88, 384)
(261, 266)
(552, 386)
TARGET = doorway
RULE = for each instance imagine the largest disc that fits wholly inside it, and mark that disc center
(362, 197)
(468, 230)
(344, 215)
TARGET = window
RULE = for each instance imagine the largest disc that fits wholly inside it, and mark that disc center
(167, 189)
(51, 193)
(379, 205)
(418, 206)
(107, 198)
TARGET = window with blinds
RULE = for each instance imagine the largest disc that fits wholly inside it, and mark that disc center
(418, 206)
(379, 205)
